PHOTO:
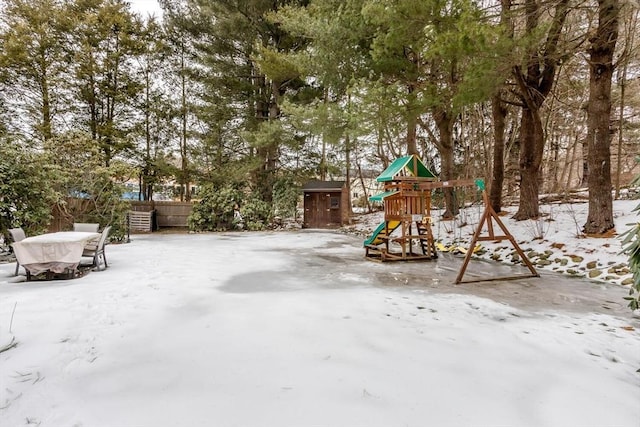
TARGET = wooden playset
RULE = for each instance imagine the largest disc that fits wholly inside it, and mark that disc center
(406, 233)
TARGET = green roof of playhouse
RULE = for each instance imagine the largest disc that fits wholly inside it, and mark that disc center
(407, 165)
(380, 197)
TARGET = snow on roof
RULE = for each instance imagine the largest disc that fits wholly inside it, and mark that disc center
(317, 185)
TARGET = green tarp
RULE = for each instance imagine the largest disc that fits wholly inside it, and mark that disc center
(405, 162)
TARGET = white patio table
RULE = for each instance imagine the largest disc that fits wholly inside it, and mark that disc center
(52, 252)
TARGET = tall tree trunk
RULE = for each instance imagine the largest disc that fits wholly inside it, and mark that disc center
(262, 113)
(631, 21)
(92, 99)
(534, 85)
(603, 43)
(47, 132)
(444, 122)
(348, 149)
(323, 161)
(531, 150)
(348, 172)
(364, 188)
(499, 113)
(184, 161)
(323, 166)
(569, 164)
(552, 162)
(622, 85)
(271, 149)
(145, 187)
(412, 122)
(584, 182)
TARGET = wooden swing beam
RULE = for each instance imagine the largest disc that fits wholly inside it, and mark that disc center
(487, 216)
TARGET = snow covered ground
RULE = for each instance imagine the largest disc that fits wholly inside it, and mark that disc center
(297, 329)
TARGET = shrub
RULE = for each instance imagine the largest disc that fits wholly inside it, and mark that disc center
(215, 211)
(26, 188)
(235, 206)
(631, 247)
(285, 198)
(256, 214)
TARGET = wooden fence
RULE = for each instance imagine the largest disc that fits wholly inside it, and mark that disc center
(62, 217)
(167, 214)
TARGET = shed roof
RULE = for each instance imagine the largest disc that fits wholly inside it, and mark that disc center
(410, 165)
(316, 185)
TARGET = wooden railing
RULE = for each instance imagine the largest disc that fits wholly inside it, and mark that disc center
(403, 205)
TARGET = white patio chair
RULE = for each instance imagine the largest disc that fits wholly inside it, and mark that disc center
(96, 251)
(17, 234)
(86, 226)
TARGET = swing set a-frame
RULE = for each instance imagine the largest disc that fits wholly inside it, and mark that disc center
(408, 185)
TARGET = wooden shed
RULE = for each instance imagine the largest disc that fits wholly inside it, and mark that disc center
(326, 204)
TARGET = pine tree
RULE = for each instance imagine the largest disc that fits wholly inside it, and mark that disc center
(32, 57)
(154, 104)
(106, 42)
(230, 37)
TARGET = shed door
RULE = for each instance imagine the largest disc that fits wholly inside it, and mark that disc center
(317, 210)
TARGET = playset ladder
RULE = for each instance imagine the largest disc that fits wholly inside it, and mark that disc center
(427, 244)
